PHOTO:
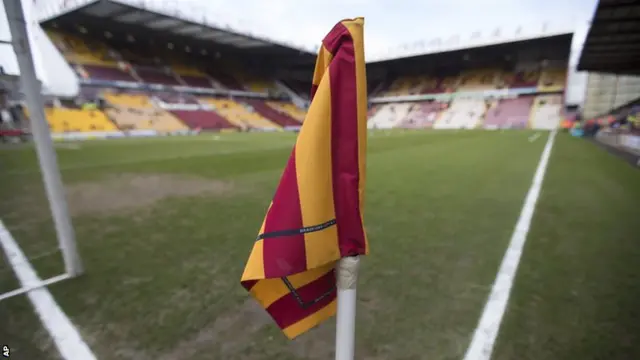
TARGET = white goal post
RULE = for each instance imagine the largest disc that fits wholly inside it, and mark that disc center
(32, 90)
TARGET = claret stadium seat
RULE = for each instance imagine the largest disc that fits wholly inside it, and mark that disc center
(240, 115)
(157, 76)
(289, 109)
(422, 115)
(508, 113)
(203, 119)
(278, 117)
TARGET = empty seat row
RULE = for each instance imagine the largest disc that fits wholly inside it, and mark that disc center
(545, 80)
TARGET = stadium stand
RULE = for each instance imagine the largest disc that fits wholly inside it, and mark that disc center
(462, 114)
(105, 73)
(240, 115)
(178, 81)
(77, 120)
(299, 87)
(79, 50)
(255, 83)
(175, 98)
(136, 111)
(523, 77)
(154, 75)
(448, 83)
(552, 80)
(377, 87)
(389, 115)
(259, 85)
(138, 100)
(612, 108)
(226, 79)
(412, 85)
(481, 79)
(289, 109)
(203, 119)
(477, 79)
(609, 91)
(546, 112)
(401, 86)
(372, 111)
(280, 118)
(89, 93)
(108, 60)
(488, 87)
(430, 85)
(198, 81)
(422, 115)
(193, 77)
(140, 118)
(508, 113)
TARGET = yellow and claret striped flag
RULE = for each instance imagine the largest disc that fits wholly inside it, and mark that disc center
(315, 217)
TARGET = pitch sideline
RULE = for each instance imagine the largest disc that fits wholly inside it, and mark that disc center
(486, 332)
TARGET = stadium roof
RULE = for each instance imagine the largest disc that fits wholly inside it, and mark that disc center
(110, 14)
(613, 40)
(551, 48)
(477, 39)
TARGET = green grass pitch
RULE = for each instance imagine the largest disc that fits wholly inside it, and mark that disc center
(165, 225)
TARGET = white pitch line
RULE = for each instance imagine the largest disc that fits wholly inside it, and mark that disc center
(62, 331)
(534, 137)
(486, 332)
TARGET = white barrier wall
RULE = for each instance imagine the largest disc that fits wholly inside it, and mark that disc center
(88, 135)
(631, 142)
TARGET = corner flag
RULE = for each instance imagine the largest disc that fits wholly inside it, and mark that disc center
(315, 217)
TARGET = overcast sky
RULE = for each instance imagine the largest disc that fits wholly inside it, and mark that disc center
(389, 23)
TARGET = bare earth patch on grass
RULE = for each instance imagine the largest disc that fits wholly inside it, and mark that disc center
(130, 191)
(114, 194)
(232, 331)
(316, 344)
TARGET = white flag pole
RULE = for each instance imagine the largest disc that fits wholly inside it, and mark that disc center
(44, 145)
(346, 281)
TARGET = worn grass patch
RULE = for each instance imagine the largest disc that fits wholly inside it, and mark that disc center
(127, 192)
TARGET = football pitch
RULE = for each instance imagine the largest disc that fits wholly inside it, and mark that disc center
(165, 225)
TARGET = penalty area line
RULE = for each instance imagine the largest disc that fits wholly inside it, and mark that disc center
(64, 334)
(486, 332)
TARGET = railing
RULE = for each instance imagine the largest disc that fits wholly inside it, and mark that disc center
(498, 94)
(177, 88)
